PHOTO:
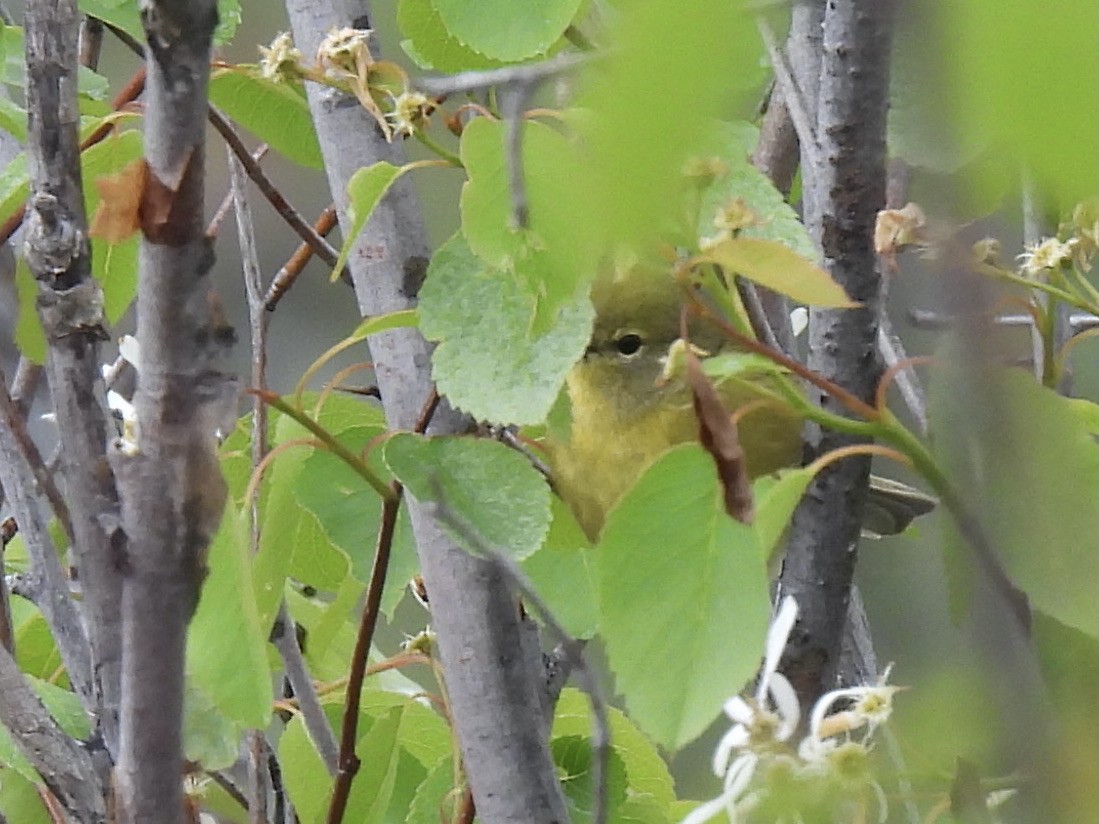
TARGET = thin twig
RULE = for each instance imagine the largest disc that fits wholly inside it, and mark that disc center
(929, 319)
(292, 216)
(18, 479)
(893, 353)
(8, 530)
(301, 682)
(348, 761)
(11, 417)
(288, 274)
(757, 317)
(791, 93)
(214, 226)
(258, 774)
(513, 101)
(526, 74)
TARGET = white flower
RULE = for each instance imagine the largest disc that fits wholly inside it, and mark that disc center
(760, 727)
(1050, 253)
(871, 706)
(281, 60)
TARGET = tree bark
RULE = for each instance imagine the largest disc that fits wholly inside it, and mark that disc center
(170, 482)
(493, 688)
(843, 171)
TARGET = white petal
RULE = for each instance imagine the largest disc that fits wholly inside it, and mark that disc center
(740, 775)
(799, 320)
(705, 811)
(827, 701)
(122, 406)
(786, 705)
(777, 636)
(734, 739)
(739, 710)
(129, 349)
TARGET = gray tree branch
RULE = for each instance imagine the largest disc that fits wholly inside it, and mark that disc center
(844, 185)
(64, 765)
(71, 307)
(48, 579)
(170, 482)
(493, 687)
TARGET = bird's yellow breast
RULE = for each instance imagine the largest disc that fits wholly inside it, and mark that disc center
(619, 429)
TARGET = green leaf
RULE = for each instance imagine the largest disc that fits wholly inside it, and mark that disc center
(423, 733)
(678, 577)
(431, 45)
(292, 541)
(35, 649)
(122, 14)
(652, 102)
(777, 220)
(349, 511)
(228, 20)
(209, 737)
(227, 659)
(11, 50)
(777, 496)
(379, 753)
(558, 251)
(365, 191)
(19, 798)
(13, 119)
(1039, 106)
(488, 363)
(493, 488)
(346, 508)
(274, 112)
(29, 336)
(437, 799)
(504, 30)
(563, 573)
(770, 264)
(115, 267)
(14, 185)
(646, 770)
(307, 780)
(331, 630)
(1024, 462)
(573, 756)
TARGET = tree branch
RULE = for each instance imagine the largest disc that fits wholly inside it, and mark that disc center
(71, 307)
(64, 765)
(48, 579)
(170, 481)
(844, 181)
(493, 688)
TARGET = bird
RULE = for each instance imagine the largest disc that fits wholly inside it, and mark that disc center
(627, 410)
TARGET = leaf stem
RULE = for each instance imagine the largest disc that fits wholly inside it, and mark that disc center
(383, 489)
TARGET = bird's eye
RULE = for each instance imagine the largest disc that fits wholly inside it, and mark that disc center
(628, 344)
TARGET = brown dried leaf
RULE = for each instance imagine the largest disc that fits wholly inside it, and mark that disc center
(118, 214)
(165, 218)
(896, 228)
(718, 435)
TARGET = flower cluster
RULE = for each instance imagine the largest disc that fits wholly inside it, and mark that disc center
(766, 776)
(344, 62)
